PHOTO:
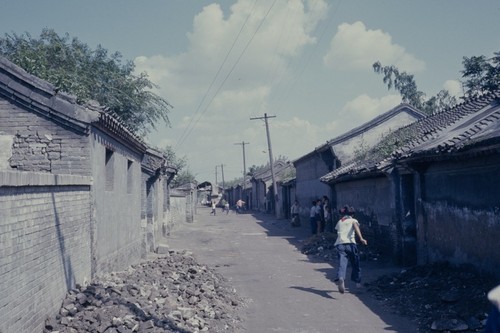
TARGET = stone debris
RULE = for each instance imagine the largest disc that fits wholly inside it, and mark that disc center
(440, 297)
(172, 293)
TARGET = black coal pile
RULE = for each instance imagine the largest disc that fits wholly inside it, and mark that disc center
(168, 294)
(439, 297)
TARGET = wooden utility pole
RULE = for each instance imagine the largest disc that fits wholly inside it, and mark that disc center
(271, 162)
(216, 174)
(243, 143)
(222, 172)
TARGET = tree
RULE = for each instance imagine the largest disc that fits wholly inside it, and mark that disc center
(407, 87)
(482, 74)
(183, 175)
(73, 67)
(172, 158)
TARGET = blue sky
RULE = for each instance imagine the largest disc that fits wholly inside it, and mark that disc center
(220, 63)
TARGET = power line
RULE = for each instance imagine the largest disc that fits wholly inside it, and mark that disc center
(184, 135)
(230, 71)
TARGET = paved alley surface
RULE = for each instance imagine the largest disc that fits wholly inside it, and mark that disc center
(287, 290)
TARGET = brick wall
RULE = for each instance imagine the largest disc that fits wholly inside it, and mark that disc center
(41, 145)
(45, 237)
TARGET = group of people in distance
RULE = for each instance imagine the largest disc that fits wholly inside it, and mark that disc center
(225, 206)
(347, 229)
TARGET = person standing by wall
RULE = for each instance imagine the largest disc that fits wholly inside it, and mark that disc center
(294, 210)
(319, 217)
(213, 208)
(347, 229)
(327, 215)
(313, 217)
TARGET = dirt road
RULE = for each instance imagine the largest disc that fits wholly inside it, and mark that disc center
(287, 291)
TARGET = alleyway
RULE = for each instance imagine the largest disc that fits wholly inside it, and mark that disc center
(287, 291)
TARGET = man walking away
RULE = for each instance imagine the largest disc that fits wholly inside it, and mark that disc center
(347, 229)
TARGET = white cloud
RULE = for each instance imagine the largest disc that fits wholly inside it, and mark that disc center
(356, 47)
(260, 53)
(364, 108)
(454, 87)
(207, 122)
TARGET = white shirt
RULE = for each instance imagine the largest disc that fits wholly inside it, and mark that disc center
(312, 212)
(345, 230)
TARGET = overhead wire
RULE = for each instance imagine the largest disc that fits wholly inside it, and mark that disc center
(184, 134)
(304, 64)
(235, 64)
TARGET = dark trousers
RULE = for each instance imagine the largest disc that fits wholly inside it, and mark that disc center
(314, 225)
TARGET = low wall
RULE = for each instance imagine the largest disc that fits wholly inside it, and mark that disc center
(46, 240)
(177, 210)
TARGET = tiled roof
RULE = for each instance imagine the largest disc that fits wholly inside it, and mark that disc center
(39, 96)
(280, 167)
(470, 123)
(403, 107)
(457, 128)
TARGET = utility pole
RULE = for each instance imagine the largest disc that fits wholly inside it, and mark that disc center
(243, 143)
(275, 190)
(223, 185)
(216, 174)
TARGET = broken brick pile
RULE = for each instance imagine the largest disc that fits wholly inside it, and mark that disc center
(172, 293)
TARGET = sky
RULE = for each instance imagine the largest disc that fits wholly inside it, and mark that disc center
(306, 64)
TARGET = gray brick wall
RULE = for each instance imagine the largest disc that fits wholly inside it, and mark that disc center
(45, 237)
(41, 145)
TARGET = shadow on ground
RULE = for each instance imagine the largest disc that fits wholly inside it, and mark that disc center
(371, 270)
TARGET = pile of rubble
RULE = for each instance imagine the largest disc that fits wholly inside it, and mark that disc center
(439, 297)
(172, 293)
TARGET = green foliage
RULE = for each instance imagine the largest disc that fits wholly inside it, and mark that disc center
(482, 74)
(256, 169)
(183, 177)
(72, 66)
(289, 174)
(405, 84)
(387, 144)
(178, 162)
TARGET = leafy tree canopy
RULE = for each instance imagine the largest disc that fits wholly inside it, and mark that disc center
(183, 176)
(482, 74)
(178, 162)
(72, 66)
(407, 87)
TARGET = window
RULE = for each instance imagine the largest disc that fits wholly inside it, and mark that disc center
(110, 172)
(129, 176)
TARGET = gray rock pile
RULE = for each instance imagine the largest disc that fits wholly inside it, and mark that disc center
(172, 293)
